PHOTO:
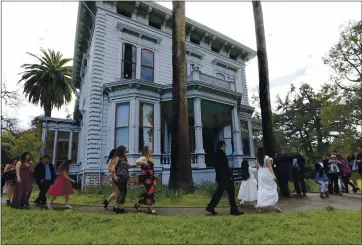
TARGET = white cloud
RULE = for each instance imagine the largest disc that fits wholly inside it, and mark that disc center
(298, 35)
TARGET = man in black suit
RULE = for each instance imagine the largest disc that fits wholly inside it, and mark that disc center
(44, 178)
(224, 181)
(298, 173)
(284, 169)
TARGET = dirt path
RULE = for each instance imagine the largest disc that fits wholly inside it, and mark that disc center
(311, 202)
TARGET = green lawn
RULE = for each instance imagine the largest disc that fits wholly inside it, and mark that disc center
(70, 226)
(164, 197)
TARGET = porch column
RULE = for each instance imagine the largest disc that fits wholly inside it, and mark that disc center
(70, 146)
(138, 63)
(199, 145)
(132, 129)
(165, 137)
(55, 145)
(44, 138)
(251, 140)
(238, 148)
(157, 136)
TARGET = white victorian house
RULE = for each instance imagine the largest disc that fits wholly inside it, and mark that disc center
(123, 70)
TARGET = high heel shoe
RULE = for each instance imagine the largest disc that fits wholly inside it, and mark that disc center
(105, 204)
(115, 210)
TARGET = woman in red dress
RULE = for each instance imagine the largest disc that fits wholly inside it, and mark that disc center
(62, 185)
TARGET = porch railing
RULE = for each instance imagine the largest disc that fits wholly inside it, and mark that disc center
(166, 160)
(217, 82)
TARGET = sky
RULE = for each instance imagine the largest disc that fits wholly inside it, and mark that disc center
(298, 35)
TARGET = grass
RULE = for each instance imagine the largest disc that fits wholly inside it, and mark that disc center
(73, 227)
(164, 196)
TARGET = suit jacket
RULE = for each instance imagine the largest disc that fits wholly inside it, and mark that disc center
(285, 163)
(222, 169)
(39, 172)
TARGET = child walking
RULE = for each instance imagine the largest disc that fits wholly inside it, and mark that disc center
(322, 180)
(62, 185)
(248, 191)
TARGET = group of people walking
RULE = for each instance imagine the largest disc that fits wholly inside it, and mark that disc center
(118, 167)
(19, 176)
(263, 191)
(334, 168)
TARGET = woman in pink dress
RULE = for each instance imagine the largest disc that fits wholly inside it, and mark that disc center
(62, 185)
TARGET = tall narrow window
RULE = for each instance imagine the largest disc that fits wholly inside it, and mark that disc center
(122, 125)
(129, 58)
(228, 140)
(147, 65)
(220, 76)
(146, 126)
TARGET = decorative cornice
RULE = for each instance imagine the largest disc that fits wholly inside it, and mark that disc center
(228, 65)
(191, 50)
(120, 26)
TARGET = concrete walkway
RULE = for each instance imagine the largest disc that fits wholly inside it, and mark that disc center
(311, 202)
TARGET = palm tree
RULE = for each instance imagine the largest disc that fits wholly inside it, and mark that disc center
(49, 81)
(180, 173)
(264, 93)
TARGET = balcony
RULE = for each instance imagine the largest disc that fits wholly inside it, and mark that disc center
(196, 75)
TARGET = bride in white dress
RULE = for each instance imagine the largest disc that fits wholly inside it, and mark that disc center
(248, 191)
(267, 188)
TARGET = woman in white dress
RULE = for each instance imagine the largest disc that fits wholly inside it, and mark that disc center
(267, 188)
(248, 191)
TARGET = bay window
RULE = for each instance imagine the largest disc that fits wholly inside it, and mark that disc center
(146, 125)
(129, 58)
(147, 65)
(122, 125)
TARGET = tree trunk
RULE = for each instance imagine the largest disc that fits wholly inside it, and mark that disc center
(180, 174)
(48, 109)
(264, 93)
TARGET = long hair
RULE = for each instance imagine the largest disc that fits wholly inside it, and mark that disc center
(245, 170)
(63, 166)
(23, 156)
(261, 156)
(146, 152)
(111, 154)
(120, 152)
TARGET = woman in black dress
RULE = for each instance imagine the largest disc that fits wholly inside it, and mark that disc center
(120, 176)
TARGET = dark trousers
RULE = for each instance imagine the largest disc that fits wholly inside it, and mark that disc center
(43, 187)
(222, 186)
(333, 183)
(283, 178)
(298, 179)
(346, 182)
(122, 187)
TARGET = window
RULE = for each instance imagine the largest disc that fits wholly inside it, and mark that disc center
(146, 126)
(129, 61)
(228, 140)
(122, 125)
(147, 65)
(220, 76)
